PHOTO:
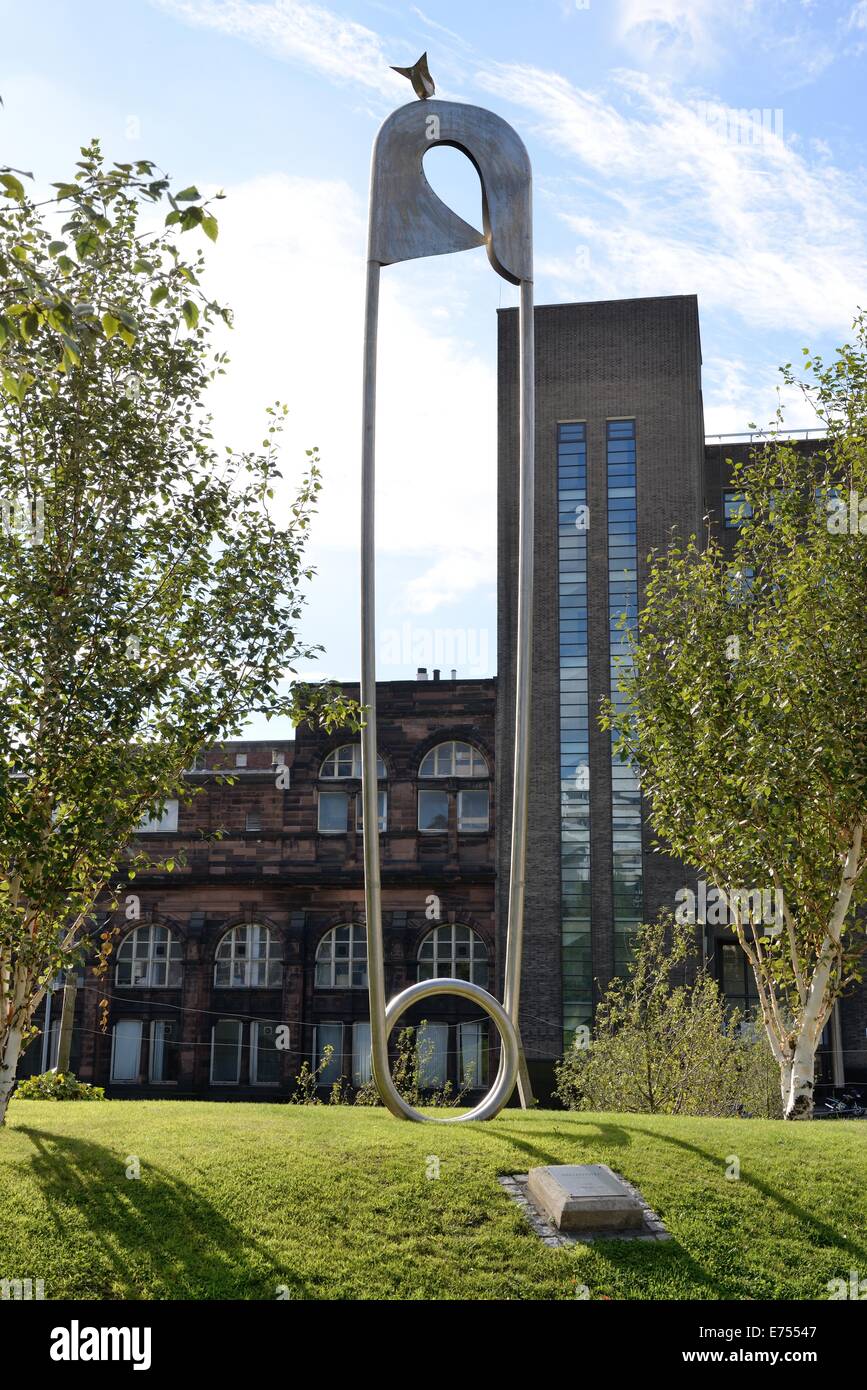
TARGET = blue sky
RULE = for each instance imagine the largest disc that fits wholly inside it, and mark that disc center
(646, 182)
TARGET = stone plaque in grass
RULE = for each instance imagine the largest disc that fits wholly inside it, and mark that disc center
(584, 1197)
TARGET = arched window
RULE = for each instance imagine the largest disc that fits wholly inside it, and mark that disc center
(149, 957)
(341, 958)
(345, 762)
(249, 957)
(453, 952)
(333, 805)
(453, 760)
(472, 809)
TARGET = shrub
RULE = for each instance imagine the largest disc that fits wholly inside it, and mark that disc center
(57, 1085)
(667, 1049)
(406, 1072)
(309, 1079)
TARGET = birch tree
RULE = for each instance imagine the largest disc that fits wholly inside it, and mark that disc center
(744, 707)
(150, 584)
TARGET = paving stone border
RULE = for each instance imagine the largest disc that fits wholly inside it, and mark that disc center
(652, 1228)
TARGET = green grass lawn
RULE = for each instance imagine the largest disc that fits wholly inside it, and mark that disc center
(235, 1200)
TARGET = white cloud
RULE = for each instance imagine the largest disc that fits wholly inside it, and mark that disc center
(290, 261)
(450, 578)
(309, 34)
(679, 32)
(738, 393)
(678, 37)
(667, 201)
(858, 16)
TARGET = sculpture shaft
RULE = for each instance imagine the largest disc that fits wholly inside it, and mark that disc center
(396, 233)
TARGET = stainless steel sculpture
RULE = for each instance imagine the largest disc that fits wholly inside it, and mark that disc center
(408, 221)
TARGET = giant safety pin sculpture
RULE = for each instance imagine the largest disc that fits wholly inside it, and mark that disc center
(409, 221)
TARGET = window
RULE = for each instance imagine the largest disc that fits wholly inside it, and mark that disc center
(126, 1050)
(432, 1049)
(226, 1052)
(453, 952)
(361, 1067)
(253, 820)
(346, 762)
(359, 810)
(574, 790)
(453, 760)
(328, 1035)
(240, 759)
(149, 957)
(165, 1054)
(626, 841)
(333, 813)
(473, 810)
(50, 1044)
(740, 582)
(473, 1054)
(341, 958)
(264, 1054)
(736, 509)
(433, 811)
(164, 824)
(736, 977)
(249, 957)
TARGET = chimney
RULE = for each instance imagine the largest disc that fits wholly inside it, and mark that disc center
(454, 675)
(421, 673)
(436, 674)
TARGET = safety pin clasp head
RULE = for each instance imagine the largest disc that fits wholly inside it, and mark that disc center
(408, 221)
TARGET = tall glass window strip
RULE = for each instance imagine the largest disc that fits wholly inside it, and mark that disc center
(622, 616)
(574, 729)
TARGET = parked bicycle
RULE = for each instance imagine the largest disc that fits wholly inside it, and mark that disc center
(847, 1106)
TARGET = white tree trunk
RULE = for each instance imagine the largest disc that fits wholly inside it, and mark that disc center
(10, 1051)
(17, 1008)
(797, 1067)
(785, 1080)
(799, 1102)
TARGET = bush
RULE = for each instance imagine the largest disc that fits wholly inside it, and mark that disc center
(408, 1067)
(669, 1050)
(57, 1085)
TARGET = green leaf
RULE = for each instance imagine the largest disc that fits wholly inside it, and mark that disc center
(87, 243)
(158, 295)
(209, 226)
(14, 187)
(127, 319)
(110, 325)
(189, 195)
(191, 313)
(17, 387)
(55, 247)
(70, 347)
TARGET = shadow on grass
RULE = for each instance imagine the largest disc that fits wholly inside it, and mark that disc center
(610, 1135)
(153, 1237)
(645, 1259)
(820, 1233)
(659, 1259)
